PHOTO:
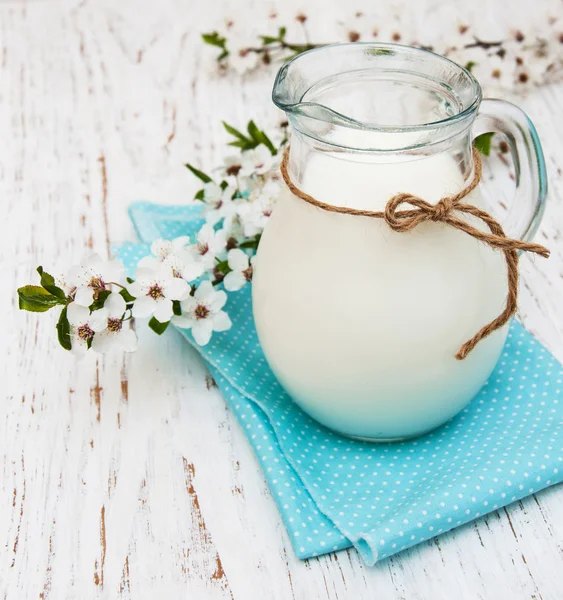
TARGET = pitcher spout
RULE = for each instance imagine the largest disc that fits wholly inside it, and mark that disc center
(376, 97)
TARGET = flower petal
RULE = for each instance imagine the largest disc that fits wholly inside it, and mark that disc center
(149, 262)
(183, 321)
(98, 320)
(78, 347)
(102, 342)
(115, 305)
(188, 305)
(192, 270)
(77, 275)
(221, 321)
(161, 248)
(218, 301)
(205, 291)
(212, 216)
(175, 288)
(238, 260)
(234, 281)
(146, 276)
(136, 289)
(218, 242)
(205, 234)
(180, 243)
(212, 192)
(201, 330)
(163, 312)
(77, 314)
(84, 296)
(144, 307)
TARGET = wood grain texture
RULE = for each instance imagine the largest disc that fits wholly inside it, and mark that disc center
(128, 478)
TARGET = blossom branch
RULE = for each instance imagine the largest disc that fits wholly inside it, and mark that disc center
(182, 281)
(507, 63)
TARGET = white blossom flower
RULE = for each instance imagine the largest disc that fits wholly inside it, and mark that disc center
(154, 290)
(244, 185)
(92, 276)
(258, 161)
(241, 59)
(210, 243)
(219, 202)
(114, 335)
(232, 227)
(241, 271)
(255, 213)
(163, 248)
(83, 326)
(61, 281)
(202, 313)
(176, 255)
(231, 166)
(496, 72)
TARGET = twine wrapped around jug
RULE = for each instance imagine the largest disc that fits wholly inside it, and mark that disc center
(444, 211)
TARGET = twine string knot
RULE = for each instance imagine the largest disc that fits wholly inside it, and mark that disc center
(402, 219)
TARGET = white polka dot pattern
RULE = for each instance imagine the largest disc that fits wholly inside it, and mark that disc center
(382, 498)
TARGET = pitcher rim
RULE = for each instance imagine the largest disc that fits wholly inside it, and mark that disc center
(346, 120)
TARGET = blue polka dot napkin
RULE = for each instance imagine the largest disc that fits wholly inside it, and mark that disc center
(334, 492)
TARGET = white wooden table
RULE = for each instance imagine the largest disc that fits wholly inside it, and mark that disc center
(129, 478)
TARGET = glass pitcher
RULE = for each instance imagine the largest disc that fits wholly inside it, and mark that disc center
(360, 323)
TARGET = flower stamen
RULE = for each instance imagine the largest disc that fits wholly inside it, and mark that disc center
(114, 324)
(85, 332)
(233, 170)
(201, 311)
(155, 292)
(97, 283)
(203, 248)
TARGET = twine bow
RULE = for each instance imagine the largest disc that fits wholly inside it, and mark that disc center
(445, 211)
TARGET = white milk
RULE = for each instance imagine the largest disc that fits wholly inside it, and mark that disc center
(361, 324)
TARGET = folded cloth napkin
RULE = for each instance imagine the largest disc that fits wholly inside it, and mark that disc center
(334, 492)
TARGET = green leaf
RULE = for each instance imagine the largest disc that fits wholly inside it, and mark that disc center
(234, 132)
(469, 66)
(63, 330)
(268, 39)
(100, 300)
(251, 243)
(48, 282)
(223, 267)
(176, 307)
(37, 299)
(281, 32)
(214, 39)
(130, 280)
(199, 174)
(483, 143)
(157, 326)
(253, 131)
(126, 295)
(244, 144)
(260, 137)
(200, 195)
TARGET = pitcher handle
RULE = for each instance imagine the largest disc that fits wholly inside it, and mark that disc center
(526, 211)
